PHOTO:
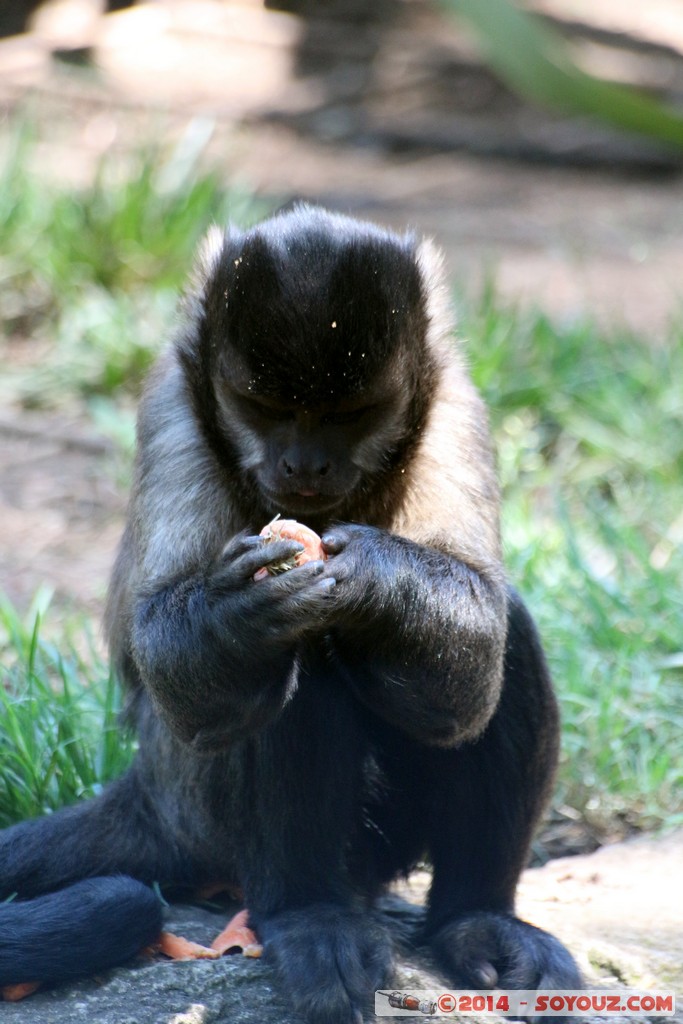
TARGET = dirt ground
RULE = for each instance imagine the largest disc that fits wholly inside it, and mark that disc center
(603, 241)
(619, 910)
(599, 241)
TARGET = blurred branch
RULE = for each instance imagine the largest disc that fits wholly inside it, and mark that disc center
(534, 60)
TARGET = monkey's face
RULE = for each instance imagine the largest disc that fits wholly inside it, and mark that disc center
(314, 337)
(309, 458)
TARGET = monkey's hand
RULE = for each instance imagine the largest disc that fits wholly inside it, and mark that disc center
(354, 561)
(274, 613)
(378, 575)
(420, 634)
(216, 650)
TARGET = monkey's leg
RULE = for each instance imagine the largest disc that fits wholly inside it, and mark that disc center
(301, 799)
(487, 799)
(78, 908)
(119, 832)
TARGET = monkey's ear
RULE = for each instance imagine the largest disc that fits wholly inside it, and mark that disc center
(440, 312)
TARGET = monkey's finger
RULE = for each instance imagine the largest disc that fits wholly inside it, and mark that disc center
(307, 608)
(274, 551)
(312, 592)
(287, 616)
(334, 542)
(232, 573)
(267, 599)
(296, 579)
(239, 544)
(341, 569)
(291, 595)
(263, 554)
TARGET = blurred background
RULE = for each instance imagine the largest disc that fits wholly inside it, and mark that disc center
(541, 145)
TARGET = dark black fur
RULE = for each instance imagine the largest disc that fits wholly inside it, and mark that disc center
(61, 937)
(309, 737)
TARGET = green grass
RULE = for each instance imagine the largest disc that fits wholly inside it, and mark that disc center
(589, 429)
(60, 740)
(89, 278)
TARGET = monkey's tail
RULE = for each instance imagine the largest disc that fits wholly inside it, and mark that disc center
(88, 927)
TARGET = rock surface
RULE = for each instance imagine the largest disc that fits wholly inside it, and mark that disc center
(620, 911)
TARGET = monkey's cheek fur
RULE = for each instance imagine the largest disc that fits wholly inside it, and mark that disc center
(290, 529)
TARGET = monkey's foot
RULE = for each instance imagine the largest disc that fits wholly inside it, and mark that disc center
(489, 950)
(331, 959)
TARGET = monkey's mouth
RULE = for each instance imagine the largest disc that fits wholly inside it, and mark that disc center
(303, 501)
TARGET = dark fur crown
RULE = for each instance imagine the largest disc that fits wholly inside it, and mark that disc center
(314, 302)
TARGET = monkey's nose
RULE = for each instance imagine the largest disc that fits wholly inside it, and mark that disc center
(291, 469)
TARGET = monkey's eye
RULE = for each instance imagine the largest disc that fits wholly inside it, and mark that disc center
(342, 418)
(275, 413)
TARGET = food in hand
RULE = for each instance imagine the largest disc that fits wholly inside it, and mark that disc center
(289, 529)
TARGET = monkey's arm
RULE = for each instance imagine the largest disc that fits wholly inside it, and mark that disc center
(216, 651)
(185, 620)
(421, 633)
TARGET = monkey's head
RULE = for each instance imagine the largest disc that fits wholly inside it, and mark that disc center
(308, 360)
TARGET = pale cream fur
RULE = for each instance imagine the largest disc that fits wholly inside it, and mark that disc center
(452, 498)
(181, 512)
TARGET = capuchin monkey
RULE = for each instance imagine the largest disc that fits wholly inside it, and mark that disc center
(310, 736)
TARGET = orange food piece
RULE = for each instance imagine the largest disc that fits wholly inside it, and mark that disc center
(178, 948)
(237, 935)
(13, 993)
(289, 529)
